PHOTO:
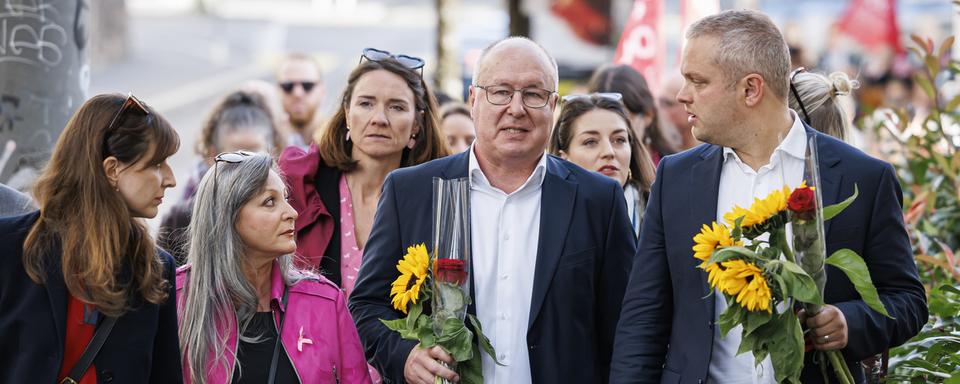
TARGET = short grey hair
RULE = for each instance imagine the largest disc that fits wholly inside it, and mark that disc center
(217, 292)
(821, 106)
(483, 55)
(749, 42)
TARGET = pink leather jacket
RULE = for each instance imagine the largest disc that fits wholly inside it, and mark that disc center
(318, 334)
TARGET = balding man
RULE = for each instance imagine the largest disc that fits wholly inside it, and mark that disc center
(674, 112)
(551, 242)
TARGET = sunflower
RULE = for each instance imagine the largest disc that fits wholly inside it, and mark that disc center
(761, 210)
(710, 238)
(413, 266)
(745, 281)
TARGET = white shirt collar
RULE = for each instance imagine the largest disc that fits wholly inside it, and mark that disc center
(478, 178)
(795, 144)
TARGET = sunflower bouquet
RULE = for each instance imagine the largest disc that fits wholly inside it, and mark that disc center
(441, 279)
(750, 261)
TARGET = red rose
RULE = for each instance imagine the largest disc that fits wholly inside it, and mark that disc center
(450, 271)
(802, 202)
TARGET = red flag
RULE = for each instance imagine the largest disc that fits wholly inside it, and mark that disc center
(873, 23)
(640, 44)
(588, 20)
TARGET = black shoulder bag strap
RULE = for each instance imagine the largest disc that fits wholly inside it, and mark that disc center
(276, 345)
(99, 337)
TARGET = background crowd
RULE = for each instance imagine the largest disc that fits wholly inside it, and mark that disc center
(302, 188)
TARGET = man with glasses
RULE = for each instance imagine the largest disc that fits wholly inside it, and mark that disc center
(301, 91)
(551, 242)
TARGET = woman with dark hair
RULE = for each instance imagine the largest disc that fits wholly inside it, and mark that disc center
(246, 311)
(240, 121)
(457, 125)
(638, 99)
(386, 120)
(594, 132)
(84, 266)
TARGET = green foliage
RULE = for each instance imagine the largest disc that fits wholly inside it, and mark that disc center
(928, 166)
(832, 210)
(856, 270)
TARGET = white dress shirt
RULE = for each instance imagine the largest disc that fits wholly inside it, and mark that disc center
(505, 230)
(739, 185)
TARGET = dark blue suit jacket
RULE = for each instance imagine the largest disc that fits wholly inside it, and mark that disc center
(584, 256)
(668, 301)
(142, 348)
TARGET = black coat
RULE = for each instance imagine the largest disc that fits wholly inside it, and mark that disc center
(142, 348)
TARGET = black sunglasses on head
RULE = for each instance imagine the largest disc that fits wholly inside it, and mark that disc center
(288, 86)
(132, 103)
(806, 116)
(410, 62)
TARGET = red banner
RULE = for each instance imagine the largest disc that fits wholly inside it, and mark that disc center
(641, 45)
(587, 19)
(873, 23)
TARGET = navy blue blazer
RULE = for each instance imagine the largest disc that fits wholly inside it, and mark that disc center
(142, 348)
(585, 252)
(668, 301)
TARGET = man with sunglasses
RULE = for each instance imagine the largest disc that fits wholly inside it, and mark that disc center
(301, 90)
(551, 243)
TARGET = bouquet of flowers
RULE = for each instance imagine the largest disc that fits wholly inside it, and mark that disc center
(442, 279)
(749, 260)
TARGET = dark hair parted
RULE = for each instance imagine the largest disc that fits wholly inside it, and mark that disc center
(97, 235)
(239, 111)
(638, 99)
(642, 172)
(335, 149)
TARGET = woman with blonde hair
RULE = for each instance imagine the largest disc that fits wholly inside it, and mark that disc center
(86, 295)
(816, 99)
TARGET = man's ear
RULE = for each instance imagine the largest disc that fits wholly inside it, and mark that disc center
(752, 88)
(111, 169)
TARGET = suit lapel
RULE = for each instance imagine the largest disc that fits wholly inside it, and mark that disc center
(57, 292)
(705, 186)
(556, 209)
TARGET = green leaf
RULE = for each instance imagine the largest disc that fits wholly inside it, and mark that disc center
(932, 64)
(471, 371)
(921, 43)
(755, 320)
(727, 253)
(945, 46)
(953, 104)
(483, 340)
(399, 326)
(856, 270)
(456, 339)
(830, 211)
(799, 284)
(786, 350)
(925, 84)
(731, 317)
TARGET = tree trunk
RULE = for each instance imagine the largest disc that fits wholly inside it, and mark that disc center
(44, 77)
(519, 21)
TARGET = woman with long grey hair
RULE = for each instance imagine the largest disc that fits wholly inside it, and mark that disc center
(240, 287)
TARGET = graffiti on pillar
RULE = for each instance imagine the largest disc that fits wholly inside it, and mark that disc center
(43, 73)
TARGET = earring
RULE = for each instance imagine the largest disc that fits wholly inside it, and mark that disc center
(348, 133)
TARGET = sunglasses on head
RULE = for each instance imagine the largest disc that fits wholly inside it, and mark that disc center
(796, 95)
(411, 62)
(612, 96)
(132, 103)
(288, 86)
(226, 157)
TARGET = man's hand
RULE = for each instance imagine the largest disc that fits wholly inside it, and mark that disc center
(828, 329)
(422, 366)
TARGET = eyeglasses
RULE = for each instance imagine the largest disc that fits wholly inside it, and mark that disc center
(131, 102)
(796, 94)
(532, 97)
(612, 96)
(288, 86)
(226, 157)
(378, 55)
